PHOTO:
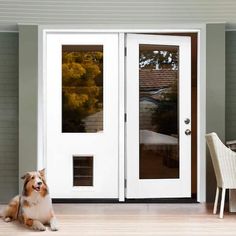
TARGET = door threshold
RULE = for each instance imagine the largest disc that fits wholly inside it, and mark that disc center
(85, 200)
(162, 200)
(116, 200)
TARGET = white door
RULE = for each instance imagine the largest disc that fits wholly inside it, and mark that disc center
(82, 115)
(158, 116)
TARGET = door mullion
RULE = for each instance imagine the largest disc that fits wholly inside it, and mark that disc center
(121, 106)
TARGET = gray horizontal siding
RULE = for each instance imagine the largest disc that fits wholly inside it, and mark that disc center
(117, 11)
(8, 115)
(230, 85)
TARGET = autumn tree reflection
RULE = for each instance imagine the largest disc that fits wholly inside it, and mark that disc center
(82, 86)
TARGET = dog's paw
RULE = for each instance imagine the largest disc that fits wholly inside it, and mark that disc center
(38, 226)
(7, 219)
(54, 225)
(54, 228)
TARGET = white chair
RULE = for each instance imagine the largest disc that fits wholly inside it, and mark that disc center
(224, 163)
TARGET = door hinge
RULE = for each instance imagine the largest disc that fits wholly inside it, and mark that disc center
(125, 117)
(125, 51)
(125, 183)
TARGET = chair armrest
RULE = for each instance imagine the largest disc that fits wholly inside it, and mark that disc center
(231, 144)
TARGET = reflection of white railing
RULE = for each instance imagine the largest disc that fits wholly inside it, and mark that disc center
(162, 144)
(94, 122)
(152, 138)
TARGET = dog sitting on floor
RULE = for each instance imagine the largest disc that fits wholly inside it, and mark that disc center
(33, 207)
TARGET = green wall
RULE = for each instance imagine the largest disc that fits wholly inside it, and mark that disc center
(230, 113)
(8, 115)
(28, 98)
(215, 94)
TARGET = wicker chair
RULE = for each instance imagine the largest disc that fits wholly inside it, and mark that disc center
(224, 163)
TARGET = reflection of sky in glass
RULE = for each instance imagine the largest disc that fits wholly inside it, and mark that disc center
(157, 58)
(155, 61)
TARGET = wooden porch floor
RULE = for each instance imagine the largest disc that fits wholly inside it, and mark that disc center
(132, 219)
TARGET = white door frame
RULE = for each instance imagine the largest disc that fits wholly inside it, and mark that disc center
(201, 93)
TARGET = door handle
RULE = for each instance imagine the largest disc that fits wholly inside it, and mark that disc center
(187, 121)
(187, 131)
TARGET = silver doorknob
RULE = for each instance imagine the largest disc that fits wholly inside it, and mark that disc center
(187, 131)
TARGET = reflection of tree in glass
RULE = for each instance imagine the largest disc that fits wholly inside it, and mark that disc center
(158, 59)
(81, 88)
(165, 117)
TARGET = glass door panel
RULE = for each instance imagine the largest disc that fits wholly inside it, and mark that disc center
(82, 88)
(158, 111)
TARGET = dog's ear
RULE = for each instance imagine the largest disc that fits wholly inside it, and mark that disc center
(25, 176)
(42, 172)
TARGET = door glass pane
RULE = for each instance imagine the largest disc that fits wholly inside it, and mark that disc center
(82, 88)
(158, 111)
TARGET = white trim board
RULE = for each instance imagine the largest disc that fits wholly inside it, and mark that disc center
(201, 96)
(121, 117)
(201, 116)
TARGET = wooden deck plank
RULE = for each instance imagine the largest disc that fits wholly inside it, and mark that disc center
(132, 219)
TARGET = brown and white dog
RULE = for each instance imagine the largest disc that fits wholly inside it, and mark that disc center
(34, 207)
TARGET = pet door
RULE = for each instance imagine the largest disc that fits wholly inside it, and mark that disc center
(82, 170)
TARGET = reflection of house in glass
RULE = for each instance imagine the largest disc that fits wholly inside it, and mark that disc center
(158, 89)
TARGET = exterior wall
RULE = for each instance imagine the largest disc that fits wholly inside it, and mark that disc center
(117, 12)
(215, 93)
(105, 13)
(8, 115)
(28, 98)
(230, 113)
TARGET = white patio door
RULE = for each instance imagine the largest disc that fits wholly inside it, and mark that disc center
(158, 116)
(82, 114)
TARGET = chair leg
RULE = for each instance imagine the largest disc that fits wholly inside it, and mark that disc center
(222, 203)
(216, 201)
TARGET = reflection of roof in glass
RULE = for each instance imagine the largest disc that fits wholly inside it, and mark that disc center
(156, 79)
